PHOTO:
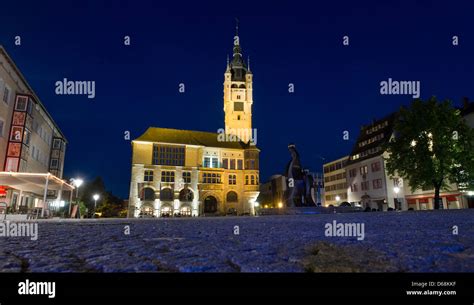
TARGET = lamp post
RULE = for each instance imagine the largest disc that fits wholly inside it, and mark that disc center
(256, 205)
(77, 182)
(397, 190)
(95, 197)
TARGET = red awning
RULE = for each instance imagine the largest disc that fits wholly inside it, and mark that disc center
(3, 191)
(423, 200)
(411, 201)
(451, 198)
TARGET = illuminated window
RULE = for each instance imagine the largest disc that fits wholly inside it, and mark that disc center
(211, 162)
(232, 179)
(211, 178)
(252, 179)
(168, 155)
(167, 176)
(246, 179)
(148, 177)
(187, 177)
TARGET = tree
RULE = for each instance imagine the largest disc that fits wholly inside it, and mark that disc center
(111, 206)
(432, 147)
(108, 204)
(95, 186)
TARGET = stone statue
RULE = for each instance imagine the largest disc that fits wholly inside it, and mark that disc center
(300, 185)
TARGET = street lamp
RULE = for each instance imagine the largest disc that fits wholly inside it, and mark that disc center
(95, 197)
(77, 182)
(338, 198)
(396, 190)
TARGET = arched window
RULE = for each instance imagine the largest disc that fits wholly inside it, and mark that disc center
(234, 86)
(232, 196)
(246, 179)
(186, 195)
(147, 194)
(166, 194)
(252, 179)
(242, 86)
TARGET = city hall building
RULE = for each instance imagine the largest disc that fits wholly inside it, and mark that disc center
(193, 173)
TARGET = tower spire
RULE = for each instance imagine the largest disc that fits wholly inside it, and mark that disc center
(236, 26)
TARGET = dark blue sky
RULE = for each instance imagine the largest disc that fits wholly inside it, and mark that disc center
(336, 87)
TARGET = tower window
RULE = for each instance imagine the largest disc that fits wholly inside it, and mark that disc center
(238, 97)
(238, 117)
(238, 106)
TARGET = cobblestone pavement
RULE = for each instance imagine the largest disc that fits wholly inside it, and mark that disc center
(412, 241)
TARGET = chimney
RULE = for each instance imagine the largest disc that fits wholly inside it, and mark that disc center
(465, 102)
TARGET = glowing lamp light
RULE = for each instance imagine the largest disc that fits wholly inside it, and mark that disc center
(338, 198)
(77, 182)
(470, 193)
(280, 205)
(96, 197)
(256, 204)
(396, 189)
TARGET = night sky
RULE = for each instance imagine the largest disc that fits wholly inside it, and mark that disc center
(336, 87)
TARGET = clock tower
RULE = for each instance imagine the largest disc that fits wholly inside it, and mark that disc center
(238, 98)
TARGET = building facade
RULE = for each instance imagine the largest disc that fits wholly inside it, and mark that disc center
(335, 183)
(30, 140)
(272, 192)
(193, 173)
(370, 185)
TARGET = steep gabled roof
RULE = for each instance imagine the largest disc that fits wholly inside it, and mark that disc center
(188, 137)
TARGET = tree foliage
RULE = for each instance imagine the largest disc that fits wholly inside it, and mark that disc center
(432, 147)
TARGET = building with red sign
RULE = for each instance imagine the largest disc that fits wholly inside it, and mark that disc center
(30, 143)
